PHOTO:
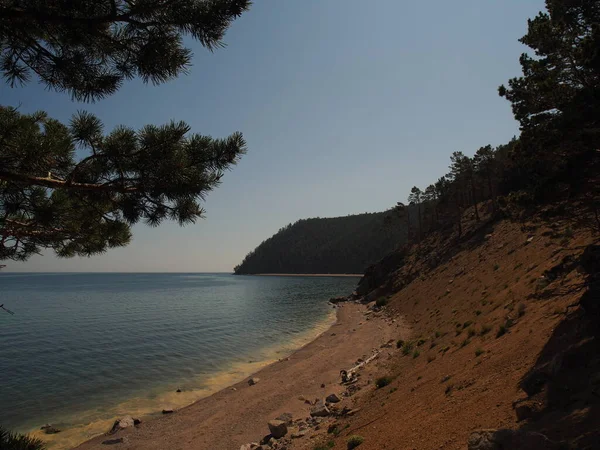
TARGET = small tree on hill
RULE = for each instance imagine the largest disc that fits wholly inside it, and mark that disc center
(414, 198)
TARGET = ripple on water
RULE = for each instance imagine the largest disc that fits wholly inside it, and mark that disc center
(85, 348)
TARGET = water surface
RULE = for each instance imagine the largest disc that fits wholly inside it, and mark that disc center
(84, 348)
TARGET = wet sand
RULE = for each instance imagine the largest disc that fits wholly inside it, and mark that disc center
(238, 414)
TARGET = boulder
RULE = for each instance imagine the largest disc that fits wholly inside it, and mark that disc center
(319, 410)
(253, 381)
(285, 417)
(49, 429)
(278, 428)
(122, 423)
(332, 398)
(510, 439)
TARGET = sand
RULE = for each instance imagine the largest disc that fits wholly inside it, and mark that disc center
(239, 414)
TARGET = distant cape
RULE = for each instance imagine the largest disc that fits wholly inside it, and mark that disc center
(339, 245)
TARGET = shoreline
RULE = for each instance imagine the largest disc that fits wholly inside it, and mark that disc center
(73, 436)
(237, 414)
(324, 275)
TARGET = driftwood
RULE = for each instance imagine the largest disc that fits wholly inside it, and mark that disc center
(349, 376)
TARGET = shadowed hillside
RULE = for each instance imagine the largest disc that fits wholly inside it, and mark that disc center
(332, 245)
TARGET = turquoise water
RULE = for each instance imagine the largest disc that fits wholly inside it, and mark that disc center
(83, 348)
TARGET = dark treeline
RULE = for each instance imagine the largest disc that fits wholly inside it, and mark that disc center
(331, 245)
(557, 103)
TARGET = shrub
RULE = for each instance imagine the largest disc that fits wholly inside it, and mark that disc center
(467, 324)
(496, 267)
(416, 354)
(449, 389)
(354, 441)
(438, 334)
(485, 329)
(399, 343)
(15, 441)
(464, 343)
(521, 309)
(430, 358)
(471, 332)
(381, 302)
(501, 331)
(479, 352)
(382, 382)
(421, 342)
(407, 348)
(478, 313)
(568, 233)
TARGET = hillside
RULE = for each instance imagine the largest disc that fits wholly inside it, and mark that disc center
(497, 330)
(325, 245)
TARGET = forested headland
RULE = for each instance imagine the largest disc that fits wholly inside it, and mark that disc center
(325, 245)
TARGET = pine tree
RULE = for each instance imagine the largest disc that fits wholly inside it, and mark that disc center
(414, 198)
(89, 47)
(83, 206)
(557, 100)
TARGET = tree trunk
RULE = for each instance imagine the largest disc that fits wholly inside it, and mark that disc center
(474, 200)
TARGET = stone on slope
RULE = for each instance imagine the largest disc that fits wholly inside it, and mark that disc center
(278, 428)
(319, 409)
(332, 398)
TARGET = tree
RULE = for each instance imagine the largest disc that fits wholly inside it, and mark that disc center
(557, 100)
(463, 174)
(415, 198)
(89, 47)
(484, 162)
(83, 206)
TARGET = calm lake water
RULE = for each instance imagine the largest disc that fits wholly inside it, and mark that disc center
(82, 349)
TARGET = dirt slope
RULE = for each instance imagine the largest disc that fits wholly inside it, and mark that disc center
(482, 324)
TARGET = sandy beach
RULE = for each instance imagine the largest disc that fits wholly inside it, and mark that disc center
(239, 414)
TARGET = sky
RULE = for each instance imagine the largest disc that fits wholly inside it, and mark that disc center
(345, 105)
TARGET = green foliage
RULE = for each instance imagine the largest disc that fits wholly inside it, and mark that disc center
(485, 329)
(51, 199)
(333, 245)
(48, 199)
(381, 302)
(479, 352)
(354, 441)
(399, 343)
(407, 348)
(416, 354)
(382, 382)
(502, 330)
(556, 99)
(15, 441)
(89, 48)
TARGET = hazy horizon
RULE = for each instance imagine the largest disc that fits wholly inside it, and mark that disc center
(338, 120)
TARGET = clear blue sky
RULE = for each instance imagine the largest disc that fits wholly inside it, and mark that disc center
(345, 104)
